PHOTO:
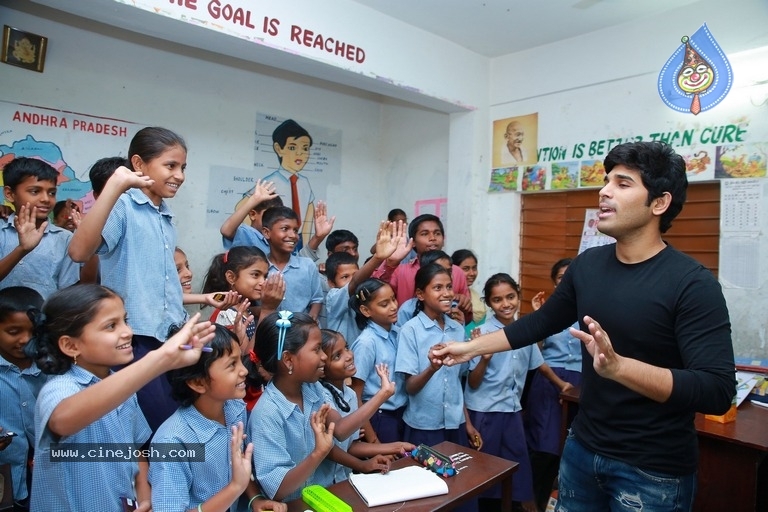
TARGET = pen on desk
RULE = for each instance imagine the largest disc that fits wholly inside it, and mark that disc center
(190, 347)
(761, 404)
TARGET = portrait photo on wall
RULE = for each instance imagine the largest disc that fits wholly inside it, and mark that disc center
(515, 141)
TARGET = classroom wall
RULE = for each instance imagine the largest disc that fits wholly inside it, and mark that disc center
(569, 80)
(392, 153)
(611, 92)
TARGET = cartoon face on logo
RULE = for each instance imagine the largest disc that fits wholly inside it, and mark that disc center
(697, 76)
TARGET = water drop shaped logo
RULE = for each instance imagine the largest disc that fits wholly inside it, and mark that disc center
(697, 76)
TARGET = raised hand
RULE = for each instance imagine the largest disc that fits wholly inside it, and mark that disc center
(388, 239)
(242, 319)
(185, 347)
(228, 300)
(537, 301)
(127, 179)
(604, 360)
(403, 248)
(76, 217)
(323, 224)
(323, 433)
(387, 385)
(26, 227)
(263, 191)
(241, 459)
(273, 292)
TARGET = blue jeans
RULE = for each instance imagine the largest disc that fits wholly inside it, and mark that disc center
(589, 482)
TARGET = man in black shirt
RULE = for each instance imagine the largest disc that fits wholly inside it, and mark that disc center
(656, 344)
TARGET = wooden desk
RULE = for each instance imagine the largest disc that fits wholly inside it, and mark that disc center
(570, 397)
(482, 472)
(733, 472)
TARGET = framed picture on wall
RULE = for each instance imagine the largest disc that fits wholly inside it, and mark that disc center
(23, 49)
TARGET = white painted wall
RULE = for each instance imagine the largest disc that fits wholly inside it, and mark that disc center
(582, 72)
(393, 153)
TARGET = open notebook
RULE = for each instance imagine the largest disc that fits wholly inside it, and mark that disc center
(410, 483)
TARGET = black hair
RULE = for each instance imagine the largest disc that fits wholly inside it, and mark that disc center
(151, 142)
(20, 168)
(103, 169)
(424, 276)
(432, 256)
(394, 212)
(267, 333)
(272, 202)
(253, 380)
(661, 170)
(277, 213)
(18, 299)
(462, 254)
(557, 266)
(236, 259)
(364, 294)
(288, 128)
(65, 313)
(60, 205)
(335, 260)
(413, 227)
(221, 346)
(495, 280)
(329, 339)
(339, 236)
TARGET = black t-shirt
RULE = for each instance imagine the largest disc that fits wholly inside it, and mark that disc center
(667, 311)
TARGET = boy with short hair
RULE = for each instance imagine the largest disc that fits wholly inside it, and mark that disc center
(342, 240)
(344, 275)
(102, 170)
(426, 234)
(20, 383)
(234, 233)
(303, 292)
(33, 252)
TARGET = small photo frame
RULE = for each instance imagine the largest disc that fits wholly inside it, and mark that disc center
(23, 49)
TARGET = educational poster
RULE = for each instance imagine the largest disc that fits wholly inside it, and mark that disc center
(535, 177)
(699, 163)
(726, 139)
(504, 179)
(592, 173)
(565, 175)
(741, 161)
(71, 142)
(515, 141)
(590, 236)
(300, 158)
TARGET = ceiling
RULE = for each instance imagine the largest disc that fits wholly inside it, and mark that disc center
(498, 27)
